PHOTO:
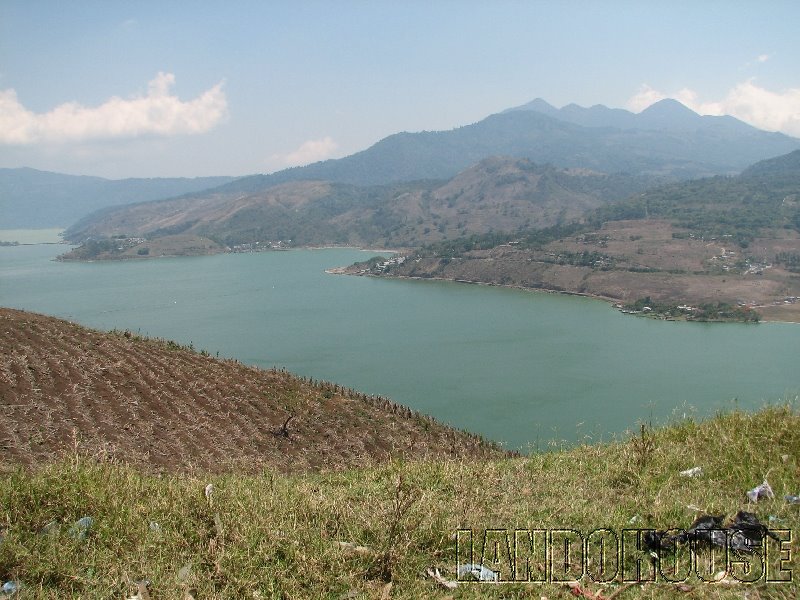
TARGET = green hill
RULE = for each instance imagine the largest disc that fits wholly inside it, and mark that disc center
(764, 196)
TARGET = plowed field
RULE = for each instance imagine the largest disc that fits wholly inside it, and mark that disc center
(65, 388)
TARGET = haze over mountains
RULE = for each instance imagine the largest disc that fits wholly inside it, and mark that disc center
(32, 199)
(666, 142)
(665, 115)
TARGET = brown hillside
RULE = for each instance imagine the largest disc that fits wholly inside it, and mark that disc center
(155, 404)
(497, 194)
(629, 260)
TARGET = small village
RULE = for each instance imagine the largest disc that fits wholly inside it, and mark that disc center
(378, 266)
(259, 246)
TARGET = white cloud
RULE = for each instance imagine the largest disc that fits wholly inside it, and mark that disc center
(762, 108)
(644, 98)
(762, 58)
(157, 113)
(311, 151)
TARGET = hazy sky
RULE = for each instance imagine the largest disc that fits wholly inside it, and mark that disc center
(154, 89)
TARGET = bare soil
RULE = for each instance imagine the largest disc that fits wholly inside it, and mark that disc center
(152, 403)
(645, 258)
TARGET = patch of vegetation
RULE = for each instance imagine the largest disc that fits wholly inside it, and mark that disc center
(708, 311)
(94, 248)
(736, 208)
(791, 260)
(593, 259)
(534, 238)
(105, 248)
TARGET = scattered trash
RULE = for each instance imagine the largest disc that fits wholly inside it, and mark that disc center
(50, 528)
(785, 457)
(141, 590)
(208, 492)
(437, 577)
(792, 499)
(10, 588)
(774, 519)
(745, 533)
(80, 529)
(184, 573)
(762, 491)
(581, 592)
(707, 528)
(155, 527)
(478, 572)
(350, 547)
(722, 578)
(693, 472)
(634, 519)
(694, 508)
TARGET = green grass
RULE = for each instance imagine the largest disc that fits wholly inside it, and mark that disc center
(275, 535)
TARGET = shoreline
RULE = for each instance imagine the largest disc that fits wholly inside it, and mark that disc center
(605, 299)
(126, 257)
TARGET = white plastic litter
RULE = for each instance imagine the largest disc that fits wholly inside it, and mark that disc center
(10, 588)
(442, 581)
(762, 491)
(479, 572)
(81, 527)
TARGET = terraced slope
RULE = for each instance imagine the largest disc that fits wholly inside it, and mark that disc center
(155, 404)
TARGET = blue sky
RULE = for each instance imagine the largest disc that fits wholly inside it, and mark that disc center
(155, 89)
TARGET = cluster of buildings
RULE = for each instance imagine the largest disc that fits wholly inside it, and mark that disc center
(381, 267)
(125, 243)
(259, 246)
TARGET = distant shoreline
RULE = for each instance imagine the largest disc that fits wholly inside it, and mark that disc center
(32, 237)
(614, 302)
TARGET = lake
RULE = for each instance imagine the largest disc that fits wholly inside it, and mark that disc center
(519, 367)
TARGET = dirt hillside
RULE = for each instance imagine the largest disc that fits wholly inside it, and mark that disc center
(155, 404)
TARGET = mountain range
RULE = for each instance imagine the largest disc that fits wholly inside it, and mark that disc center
(665, 115)
(666, 142)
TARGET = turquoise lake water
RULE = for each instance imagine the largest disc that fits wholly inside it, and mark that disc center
(519, 367)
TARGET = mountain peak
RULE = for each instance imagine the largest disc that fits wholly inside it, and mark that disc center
(669, 114)
(537, 105)
(668, 106)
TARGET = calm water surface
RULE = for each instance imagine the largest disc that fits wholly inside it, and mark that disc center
(523, 368)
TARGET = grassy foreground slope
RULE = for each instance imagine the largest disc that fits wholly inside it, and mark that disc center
(155, 404)
(274, 535)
